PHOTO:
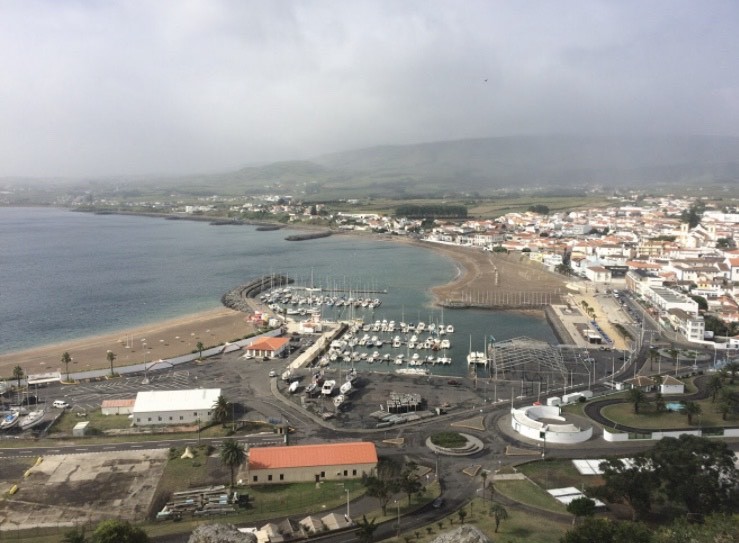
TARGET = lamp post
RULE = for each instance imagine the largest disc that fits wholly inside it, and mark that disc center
(398, 504)
(348, 516)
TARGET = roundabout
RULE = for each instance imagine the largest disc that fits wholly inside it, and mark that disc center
(459, 444)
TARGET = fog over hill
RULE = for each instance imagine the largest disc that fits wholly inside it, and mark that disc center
(489, 164)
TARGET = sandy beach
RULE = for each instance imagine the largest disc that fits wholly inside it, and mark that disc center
(163, 339)
(171, 338)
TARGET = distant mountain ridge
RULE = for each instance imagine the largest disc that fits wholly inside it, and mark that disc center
(487, 165)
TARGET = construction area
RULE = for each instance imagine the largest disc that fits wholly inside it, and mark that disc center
(86, 487)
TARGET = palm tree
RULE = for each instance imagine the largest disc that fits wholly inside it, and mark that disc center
(499, 513)
(199, 346)
(653, 354)
(111, 358)
(18, 374)
(220, 409)
(461, 514)
(66, 359)
(714, 385)
(636, 397)
(690, 409)
(366, 529)
(232, 455)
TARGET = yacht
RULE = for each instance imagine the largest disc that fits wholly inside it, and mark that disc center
(328, 387)
(449, 328)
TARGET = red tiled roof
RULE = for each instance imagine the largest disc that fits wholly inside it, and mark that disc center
(267, 344)
(326, 454)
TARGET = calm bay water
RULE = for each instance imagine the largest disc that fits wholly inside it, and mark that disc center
(66, 275)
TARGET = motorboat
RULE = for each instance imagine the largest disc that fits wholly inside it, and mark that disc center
(328, 387)
(346, 388)
(339, 400)
(10, 420)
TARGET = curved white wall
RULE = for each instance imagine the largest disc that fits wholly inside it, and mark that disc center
(526, 422)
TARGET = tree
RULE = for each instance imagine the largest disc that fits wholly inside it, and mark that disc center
(409, 482)
(75, 535)
(732, 368)
(221, 409)
(233, 456)
(18, 375)
(691, 409)
(633, 484)
(66, 359)
(606, 531)
(117, 531)
(499, 513)
(697, 473)
(111, 358)
(636, 397)
(725, 403)
(659, 403)
(581, 507)
(384, 483)
(199, 346)
(714, 385)
(381, 489)
(653, 354)
(462, 514)
(539, 209)
(366, 529)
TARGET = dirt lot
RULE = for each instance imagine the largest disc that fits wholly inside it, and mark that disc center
(80, 487)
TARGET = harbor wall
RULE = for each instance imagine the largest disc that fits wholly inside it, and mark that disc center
(557, 327)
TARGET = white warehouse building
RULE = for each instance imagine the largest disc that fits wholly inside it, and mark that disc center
(157, 407)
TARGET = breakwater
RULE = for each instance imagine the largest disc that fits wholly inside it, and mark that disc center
(241, 298)
(305, 237)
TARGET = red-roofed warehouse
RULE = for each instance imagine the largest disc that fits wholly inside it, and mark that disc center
(308, 463)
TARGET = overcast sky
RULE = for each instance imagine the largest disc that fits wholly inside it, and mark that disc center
(150, 87)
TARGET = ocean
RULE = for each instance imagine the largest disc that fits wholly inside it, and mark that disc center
(66, 275)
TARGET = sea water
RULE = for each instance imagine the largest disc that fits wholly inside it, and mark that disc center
(66, 275)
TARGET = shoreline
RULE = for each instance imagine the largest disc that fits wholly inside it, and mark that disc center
(146, 343)
(178, 336)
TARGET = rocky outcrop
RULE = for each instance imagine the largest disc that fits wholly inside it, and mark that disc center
(220, 533)
(463, 534)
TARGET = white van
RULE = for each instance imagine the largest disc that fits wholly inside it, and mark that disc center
(60, 404)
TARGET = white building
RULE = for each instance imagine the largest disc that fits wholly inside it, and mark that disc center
(158, 407)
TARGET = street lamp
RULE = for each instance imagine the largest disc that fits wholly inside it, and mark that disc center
(398, 504)
(348, 516)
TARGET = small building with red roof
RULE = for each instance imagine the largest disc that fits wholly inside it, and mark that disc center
(266, 347)
(311, 463)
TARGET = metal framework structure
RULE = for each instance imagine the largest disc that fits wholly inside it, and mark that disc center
(532, 361)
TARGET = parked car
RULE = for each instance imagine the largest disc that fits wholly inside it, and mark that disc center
(438, 503)
(272, 373)
(60, 404)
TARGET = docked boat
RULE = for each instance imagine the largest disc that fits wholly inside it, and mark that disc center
(412, 371)
(340, 399)
(477, 358)
(346, 388)
(328, 387)
(449, 328)
(445, 344)
(10, 420)
(31, 419)
(399, 360)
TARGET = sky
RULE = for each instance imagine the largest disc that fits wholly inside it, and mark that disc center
(153, 87)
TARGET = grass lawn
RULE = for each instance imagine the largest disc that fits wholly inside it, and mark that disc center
(649, 418)
(552, 473)
(519, 526)
(98, 422)
(528, 493)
